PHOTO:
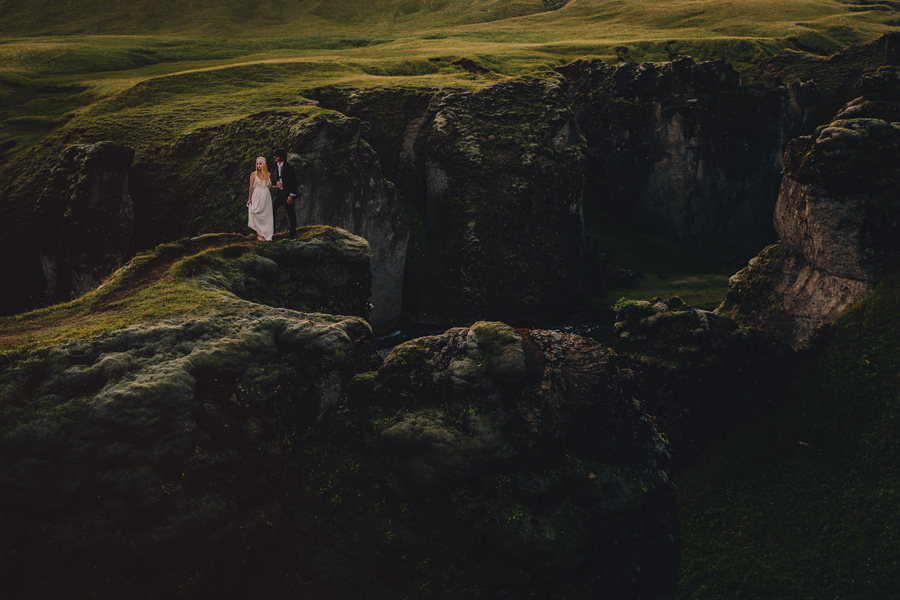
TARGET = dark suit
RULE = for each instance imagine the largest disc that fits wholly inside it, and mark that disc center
(290, 184)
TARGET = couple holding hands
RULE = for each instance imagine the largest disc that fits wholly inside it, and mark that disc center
(282, 178)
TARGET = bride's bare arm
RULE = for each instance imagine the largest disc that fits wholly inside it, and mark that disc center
(250, 198)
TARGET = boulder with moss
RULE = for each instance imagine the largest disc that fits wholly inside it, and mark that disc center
(838, 215)
(696, 372)
(681, 149)
(152, 460)
(84, 218)
(528, 445)
(225, 445)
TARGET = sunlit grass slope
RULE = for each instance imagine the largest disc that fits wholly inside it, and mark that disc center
(538, 19)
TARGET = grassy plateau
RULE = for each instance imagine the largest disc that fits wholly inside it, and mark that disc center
(802, 504)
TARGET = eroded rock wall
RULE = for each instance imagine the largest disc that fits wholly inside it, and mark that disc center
(84, 218)
(504, 171)
(495, 178)
(680, 149)
(838, 215)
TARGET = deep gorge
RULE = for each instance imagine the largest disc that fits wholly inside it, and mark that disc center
(215, 420)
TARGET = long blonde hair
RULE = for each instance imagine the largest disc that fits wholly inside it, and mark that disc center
(267, 179)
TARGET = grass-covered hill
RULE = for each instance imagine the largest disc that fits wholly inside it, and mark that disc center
(537, 19)
(801, 504)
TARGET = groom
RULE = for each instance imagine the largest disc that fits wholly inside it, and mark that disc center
(284, 179)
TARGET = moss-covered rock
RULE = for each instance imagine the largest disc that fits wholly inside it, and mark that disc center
(697, 372)
(153, 458)
(250, 450)
(542, 450)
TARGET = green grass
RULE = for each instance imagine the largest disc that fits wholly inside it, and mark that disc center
(804, 502)
(763, 515)
(697, 274)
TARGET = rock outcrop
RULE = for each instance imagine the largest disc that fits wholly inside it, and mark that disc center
(237, 449)
(536, 438)
(838, 216)
(83, 220)
(148, 460)
(680, 149)
(830, 82)
(697, 373)
(495, 178)
(202, 179)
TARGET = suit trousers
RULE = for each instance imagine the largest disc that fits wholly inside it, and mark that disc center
(280, 200)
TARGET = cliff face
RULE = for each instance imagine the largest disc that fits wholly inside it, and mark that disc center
(838, 215)
(679, 149)
(504, 171)
(84, 218)
(495, 179)
(199, 184)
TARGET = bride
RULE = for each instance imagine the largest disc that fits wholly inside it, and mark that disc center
(261, 217)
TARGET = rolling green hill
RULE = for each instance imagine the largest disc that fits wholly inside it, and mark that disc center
(144, 72)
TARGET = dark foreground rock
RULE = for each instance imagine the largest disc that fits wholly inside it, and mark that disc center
(698, 373)
(84, 218)
(257, 454)
(148, 462)
(533, 440)
(838, 215)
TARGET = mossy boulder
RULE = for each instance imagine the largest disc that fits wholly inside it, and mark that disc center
(226, 445)
(696, 372)
(536, 445)
(150, 460)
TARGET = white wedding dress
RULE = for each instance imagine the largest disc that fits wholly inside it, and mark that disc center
(261, 217)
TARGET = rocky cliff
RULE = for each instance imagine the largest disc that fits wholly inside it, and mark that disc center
(681, 149)
(236, 449)
(198, 185)
(84, 218)
(838, 215)
(495, 178)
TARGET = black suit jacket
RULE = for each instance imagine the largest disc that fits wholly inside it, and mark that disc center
(288, 179)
